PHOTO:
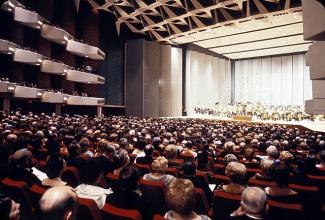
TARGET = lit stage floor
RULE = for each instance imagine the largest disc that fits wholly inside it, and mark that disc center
(312, 125)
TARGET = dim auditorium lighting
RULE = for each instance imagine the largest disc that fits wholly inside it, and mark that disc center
(11, 88)
(11, 49)
(39, 94)
(39, 60)
(40, 23)
(86, 56)
(65, 98)
(65, 70)
(9, 9)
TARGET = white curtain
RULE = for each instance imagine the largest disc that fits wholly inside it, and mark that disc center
(281, 80)
(208, 80)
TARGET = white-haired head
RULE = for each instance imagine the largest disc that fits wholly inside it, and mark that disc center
(254, 201)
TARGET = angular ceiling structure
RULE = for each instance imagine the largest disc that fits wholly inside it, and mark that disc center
(234, 28)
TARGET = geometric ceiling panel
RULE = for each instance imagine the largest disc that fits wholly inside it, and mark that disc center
(223, 26)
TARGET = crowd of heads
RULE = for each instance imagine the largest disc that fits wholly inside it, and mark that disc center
(64, 139)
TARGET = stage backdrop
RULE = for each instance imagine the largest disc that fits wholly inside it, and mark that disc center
(280, 80)
(208, 80)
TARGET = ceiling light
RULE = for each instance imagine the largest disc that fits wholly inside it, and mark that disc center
(11, 49)
(11, 88)
(39, 94)
(9, 9)
(86, 56)
(65, 70)
(39, 60)
(9, 53)
(65, 98)
(40, 23)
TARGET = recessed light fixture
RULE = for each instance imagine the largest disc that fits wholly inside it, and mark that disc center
(9, 9)
(86, 56)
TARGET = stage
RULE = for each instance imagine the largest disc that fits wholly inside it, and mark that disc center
(318, 126)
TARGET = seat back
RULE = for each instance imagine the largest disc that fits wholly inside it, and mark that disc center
(203, 176)
(310, 199)
(112, 180)
(87, 209)
(186, 157)
(218, 179)
(18, 191)
(154, 196)
(144, 168)
(279, 210)
(224, 203)
(71, 176)
(250, 172)
(36, 192)
(172, 171)
(158, 217)
(201, 205)
(260, 183)
(219, 168)
(176, 163)
(113, 213)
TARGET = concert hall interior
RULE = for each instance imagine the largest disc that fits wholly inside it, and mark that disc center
(162, 109)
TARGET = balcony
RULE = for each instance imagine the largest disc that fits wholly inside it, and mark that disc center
(7, 47)
(27, 92)
(89, 101)
(55, 34)
(315, 59)
(28, 18)
(315, 106)
(85, 50)
(53, 67)
(28, 57)
(54, 97)
(84, 77)
(7, 87)
(10, 5)
(314, 17)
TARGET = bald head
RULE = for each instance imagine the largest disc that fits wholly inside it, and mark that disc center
(58, 203)
(254, 200)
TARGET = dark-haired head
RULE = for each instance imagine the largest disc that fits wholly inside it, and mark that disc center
(90, 171)
(280, 173)
(129, 177)
(55, 165)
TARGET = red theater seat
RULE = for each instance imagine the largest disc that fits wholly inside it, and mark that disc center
(218, 179)
(201, 206)
(172, 171)
(144, 168)
(203, 176)
(18, 191)
(260, 183)
(158, 217)
(110, 212)
(224, 204)
(279, 210)
(154, 196)
(71, 176)
(175, 163)
(112, 180)
(36, 193)
(88, 209)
